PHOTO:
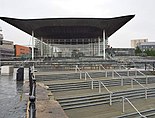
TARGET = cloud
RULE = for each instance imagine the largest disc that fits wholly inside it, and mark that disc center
(141, 26)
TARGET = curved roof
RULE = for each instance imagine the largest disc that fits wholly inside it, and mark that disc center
(69, 28)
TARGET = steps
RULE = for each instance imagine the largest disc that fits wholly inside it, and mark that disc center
(87, 84)
(98, 99)
(150, 113)
(79, 96)
(96, 74)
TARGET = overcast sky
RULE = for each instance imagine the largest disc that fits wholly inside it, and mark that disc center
(141, 26)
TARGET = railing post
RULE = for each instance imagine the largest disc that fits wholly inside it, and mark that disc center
(30, 80)
(92, 85)
(145, 93)
(32, 107)
(146, 81)
(131, 83)
(122, 81)
(128, 74)
(110, 99)
(123, 109)
(99, 67)
(34, 85)
(106, 75)
(32, 94)
(85, 76)
(135, 73)
(99, 87)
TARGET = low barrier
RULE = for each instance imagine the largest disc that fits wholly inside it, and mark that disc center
(32, 94)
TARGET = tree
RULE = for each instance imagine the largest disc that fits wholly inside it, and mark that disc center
(138, 51)
(150, 52)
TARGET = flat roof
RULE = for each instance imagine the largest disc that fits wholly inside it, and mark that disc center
(69, 28)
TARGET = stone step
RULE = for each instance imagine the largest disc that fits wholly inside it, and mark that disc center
(87, 84)
(148, 113)
(85, 101)
(95, 74)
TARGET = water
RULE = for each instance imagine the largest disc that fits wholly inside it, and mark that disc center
(11, 104)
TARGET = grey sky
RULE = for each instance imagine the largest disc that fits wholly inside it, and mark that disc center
(141, 26)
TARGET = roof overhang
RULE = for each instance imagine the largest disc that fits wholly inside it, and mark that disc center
(69, 28)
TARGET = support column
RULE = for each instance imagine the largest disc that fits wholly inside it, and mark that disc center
(93, 48)
(41, 47)
(50, 50)
(104, 44)
(99, 46)
(32, 45)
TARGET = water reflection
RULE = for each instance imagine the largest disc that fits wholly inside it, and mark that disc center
(11, 90)
(19, 86)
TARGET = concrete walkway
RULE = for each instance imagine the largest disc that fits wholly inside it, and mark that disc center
(46, 107)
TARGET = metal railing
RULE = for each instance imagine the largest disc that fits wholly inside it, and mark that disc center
(136, 72)
(123, 107)
(110, 93)
(92, 80)
(150, 66)
(101, 66)
(113, 76)
(132, 79)
(124, 67)
(32, 94)
(78, 69)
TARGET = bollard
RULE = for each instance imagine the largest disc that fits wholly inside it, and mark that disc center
(20, 74)
(32, 107)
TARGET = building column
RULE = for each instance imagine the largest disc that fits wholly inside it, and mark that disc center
(50, 50)
(41, 47)
(99, 46)
(32, 45)
(104, 44)
(93, 47)
(49, 47)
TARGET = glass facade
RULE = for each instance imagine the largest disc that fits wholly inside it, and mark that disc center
(64, 48)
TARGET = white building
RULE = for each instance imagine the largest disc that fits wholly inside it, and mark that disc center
(147, 46)
(137, 42)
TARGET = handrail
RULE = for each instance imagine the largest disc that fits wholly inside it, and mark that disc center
(123, 99)
(116, 73)
(136, 70)
(140, 72)
(92, 80)
(138, 82)
(104, 87)
(102, 66)
(140, 85)
(77, 68)
(104, 69)
(124, 67)
(113, 72)
(110, 93)
(32, 94)
(151, 66)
